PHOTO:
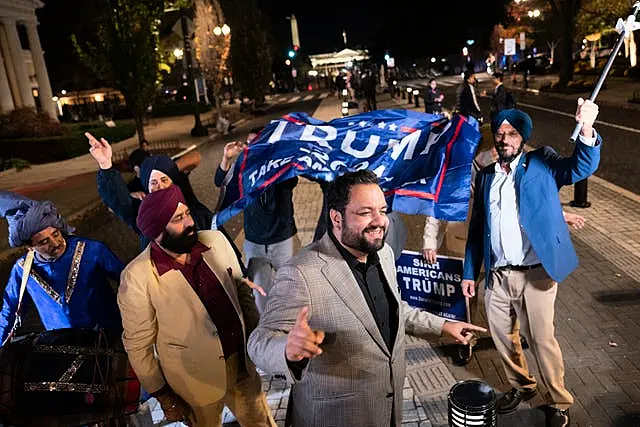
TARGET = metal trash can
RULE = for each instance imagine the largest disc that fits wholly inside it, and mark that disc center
(472, 403)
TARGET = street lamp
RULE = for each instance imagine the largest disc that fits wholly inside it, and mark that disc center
(225, 30)
(198, 129)
(177, 52)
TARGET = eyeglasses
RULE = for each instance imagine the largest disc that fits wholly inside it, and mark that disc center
(512, 135)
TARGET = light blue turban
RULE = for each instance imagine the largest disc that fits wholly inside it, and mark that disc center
(27, 217)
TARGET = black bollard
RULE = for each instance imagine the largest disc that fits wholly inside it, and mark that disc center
(416, 98)
(404, 96)
(580, 195)
(410, 96)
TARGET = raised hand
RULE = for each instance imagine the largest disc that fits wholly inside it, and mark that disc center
(231, 152)
(302, 341)
(586, 114)
(461, 331)
(100, 150)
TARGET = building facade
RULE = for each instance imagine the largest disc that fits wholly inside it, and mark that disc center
(23, 72)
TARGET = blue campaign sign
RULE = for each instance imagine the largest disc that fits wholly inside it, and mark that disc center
(423, 160)
(432, 287)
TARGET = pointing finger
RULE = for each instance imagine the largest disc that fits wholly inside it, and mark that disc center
(472, 327)
(302, 317)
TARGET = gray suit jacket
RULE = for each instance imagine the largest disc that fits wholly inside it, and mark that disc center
(357, 380)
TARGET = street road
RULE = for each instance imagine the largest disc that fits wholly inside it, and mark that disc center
(553, 123)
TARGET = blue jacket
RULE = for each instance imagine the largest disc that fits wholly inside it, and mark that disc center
(538, 177)
(87, 301)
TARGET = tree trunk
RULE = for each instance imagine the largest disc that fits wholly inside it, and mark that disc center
(566, 50)
(216, 98)
(139, 119)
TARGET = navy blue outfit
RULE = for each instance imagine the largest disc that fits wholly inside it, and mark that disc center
(64, 299)
(269, 219)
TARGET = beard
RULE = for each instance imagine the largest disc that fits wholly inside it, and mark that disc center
(359, 242)
(180, 243)
(504, 158)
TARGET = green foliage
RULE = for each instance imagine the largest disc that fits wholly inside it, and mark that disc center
(124, 52)
(18, 164)
(71, 144)
(599, 15)
(27, 122)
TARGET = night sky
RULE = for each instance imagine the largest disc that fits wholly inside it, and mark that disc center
(408, 29)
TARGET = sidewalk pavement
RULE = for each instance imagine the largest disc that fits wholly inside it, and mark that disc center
(617, 93)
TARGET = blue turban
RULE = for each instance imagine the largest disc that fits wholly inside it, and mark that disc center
(27, 217)
(516, 118)
(160, 163)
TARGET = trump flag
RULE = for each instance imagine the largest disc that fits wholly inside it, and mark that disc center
(423, 160)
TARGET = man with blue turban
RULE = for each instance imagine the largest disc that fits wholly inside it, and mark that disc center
(518, 233)
(66, 274)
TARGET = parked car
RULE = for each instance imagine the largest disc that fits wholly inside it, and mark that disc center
(535, 64)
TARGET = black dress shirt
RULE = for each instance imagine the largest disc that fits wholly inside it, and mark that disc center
(376, 291)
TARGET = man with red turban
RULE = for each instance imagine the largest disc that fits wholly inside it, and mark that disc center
(184, 296)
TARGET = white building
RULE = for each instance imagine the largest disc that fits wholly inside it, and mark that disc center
(330, 63)
(23, 72)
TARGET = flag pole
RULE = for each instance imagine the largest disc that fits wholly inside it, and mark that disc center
(624, 28)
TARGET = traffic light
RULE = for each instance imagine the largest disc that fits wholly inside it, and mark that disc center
(292, 53)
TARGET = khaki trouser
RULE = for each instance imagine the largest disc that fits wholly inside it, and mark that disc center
(244, 398)
(523, 302)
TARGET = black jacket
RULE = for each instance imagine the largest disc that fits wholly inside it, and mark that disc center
(430, 104)
(499, 100)
(467, 102)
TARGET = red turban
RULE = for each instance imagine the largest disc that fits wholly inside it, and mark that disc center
(156, 211)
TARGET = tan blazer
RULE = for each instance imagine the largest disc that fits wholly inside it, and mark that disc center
(357, 380)
(168, 333)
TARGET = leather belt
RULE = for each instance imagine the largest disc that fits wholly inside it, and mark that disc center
(518, 267)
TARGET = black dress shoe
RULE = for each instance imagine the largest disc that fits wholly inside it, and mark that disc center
(557, 418)
(509, 401)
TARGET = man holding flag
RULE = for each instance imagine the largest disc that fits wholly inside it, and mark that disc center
(518, 233)
(269, 225)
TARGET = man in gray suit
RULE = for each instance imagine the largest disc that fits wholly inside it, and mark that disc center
(334, 323)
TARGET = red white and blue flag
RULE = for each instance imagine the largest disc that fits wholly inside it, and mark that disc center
(423, 160)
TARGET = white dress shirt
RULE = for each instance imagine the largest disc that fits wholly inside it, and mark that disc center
(509, 243)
